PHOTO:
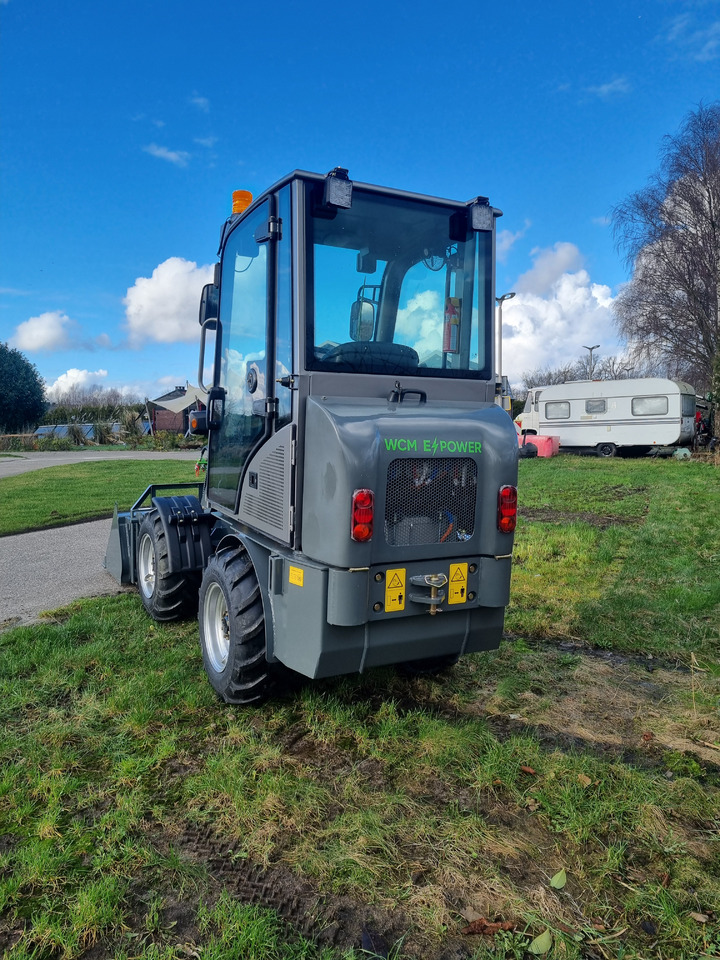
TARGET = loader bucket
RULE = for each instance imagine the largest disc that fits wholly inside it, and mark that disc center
(120, 554)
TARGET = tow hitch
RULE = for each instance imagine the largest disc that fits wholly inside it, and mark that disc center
(433, 581)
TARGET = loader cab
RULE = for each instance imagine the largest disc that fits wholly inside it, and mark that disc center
(327, 287)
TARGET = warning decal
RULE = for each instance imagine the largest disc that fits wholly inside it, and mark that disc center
(296, 576)
(457, 585)
(395, 590)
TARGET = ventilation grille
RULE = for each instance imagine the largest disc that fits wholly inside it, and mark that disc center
(268, 505)
(430, 500)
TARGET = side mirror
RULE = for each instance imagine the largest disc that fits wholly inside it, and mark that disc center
(362, 320)
(209, 303)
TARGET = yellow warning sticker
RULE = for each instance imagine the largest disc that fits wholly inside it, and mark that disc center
(395, 590)
(457, 585)
(296, 576)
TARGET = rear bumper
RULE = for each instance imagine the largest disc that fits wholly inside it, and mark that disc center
(328, 622)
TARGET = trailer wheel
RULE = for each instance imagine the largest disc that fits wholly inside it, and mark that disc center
(606, 449)
(232, 629)
(165, 596)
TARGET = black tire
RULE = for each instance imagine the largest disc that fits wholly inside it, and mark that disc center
(232, 629)
(606, 450)
(429, 666)
(166, 596)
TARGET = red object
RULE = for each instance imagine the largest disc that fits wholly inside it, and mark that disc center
(546, 446)
(363, 510)
(507, 508)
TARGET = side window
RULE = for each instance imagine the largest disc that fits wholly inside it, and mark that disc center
(243, 317)
(595, 406)
(557, 410)
(284, 346)
(649, 406)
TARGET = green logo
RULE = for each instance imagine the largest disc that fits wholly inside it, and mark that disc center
(433, 447)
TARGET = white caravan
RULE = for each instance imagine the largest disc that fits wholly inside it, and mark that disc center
(607, 415)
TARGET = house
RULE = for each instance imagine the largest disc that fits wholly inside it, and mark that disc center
(170, 411)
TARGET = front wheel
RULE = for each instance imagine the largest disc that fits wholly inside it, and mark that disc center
(232, 629)
(166, 596)
(606, 449)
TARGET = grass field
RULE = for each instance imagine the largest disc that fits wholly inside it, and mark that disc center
(56, 496)
(566, 786)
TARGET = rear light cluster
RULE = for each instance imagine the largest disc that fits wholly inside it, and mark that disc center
(363, 510)
(507, 509)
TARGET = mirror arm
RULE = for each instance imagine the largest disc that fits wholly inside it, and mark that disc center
(211, 324)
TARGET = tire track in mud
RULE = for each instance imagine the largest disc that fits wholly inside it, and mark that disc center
(329, 920)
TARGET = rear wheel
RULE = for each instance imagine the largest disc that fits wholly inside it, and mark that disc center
(232, 629)
(606, 449)
(165, 596)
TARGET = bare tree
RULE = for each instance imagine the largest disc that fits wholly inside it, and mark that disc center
(669, 312)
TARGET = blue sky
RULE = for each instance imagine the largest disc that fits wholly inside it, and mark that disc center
(126, 127)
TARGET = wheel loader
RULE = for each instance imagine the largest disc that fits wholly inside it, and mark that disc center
(359, 502)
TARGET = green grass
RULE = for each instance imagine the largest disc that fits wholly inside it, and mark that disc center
(131, 801)
(645, 577)
(55, 496)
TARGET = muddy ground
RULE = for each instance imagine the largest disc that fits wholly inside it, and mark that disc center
(612, 707)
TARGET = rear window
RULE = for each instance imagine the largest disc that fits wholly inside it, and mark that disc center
(649, 406)
(688, 405)
(557, 410)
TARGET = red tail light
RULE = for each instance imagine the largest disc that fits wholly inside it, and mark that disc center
(507, 509)
(363, 510)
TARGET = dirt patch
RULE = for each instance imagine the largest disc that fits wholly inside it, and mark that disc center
(560, 517)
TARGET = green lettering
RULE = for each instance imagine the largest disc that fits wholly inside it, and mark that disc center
(390, 444)
(427, 447)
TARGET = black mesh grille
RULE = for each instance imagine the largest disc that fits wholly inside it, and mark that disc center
(430, 500)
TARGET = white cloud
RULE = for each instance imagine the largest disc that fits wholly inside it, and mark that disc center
(202, 103)
(208, 142)
(75, 378)
(697, 43)
(47, 332)
(550, 264)
(506, 239)
(557, 309)
(614, 88)
(178, 157)
(164, 307)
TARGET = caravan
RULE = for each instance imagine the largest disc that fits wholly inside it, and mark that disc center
(609, 415)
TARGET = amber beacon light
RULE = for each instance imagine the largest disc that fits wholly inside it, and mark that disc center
(241, 200)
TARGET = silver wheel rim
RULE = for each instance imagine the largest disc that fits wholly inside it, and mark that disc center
(146, 566)
(217, 627)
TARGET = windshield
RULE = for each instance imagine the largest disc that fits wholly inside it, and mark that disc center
(398, 286)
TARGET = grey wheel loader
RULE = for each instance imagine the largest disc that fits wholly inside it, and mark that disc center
(360, 498)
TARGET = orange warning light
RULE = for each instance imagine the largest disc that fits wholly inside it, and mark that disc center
(241, 200)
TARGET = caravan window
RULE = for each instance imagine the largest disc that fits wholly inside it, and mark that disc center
(688, 405)
(557, 410)
(595, 406)
(649, 406)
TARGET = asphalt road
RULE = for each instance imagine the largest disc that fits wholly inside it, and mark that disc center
(11, 466)
(47, 569)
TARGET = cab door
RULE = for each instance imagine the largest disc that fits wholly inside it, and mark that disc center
(241, 355)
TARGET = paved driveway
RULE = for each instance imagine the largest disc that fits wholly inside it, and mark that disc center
(47, 569)
(23, 462)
